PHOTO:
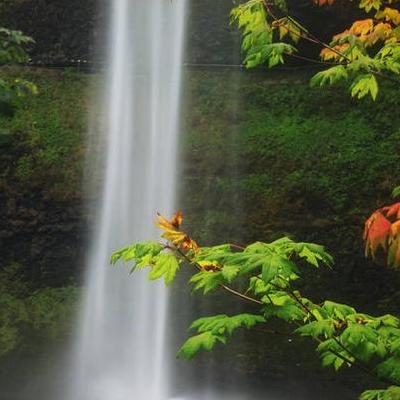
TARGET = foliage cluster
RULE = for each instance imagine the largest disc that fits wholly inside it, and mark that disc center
(63, 31)
(13, 50)
(368, 49)
(318, 183)
(7, 5)
(269, 273)
(29, 317)
(325, 147)
(49, 130)
(286, 117)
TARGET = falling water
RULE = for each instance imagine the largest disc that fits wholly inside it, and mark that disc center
(120, 350)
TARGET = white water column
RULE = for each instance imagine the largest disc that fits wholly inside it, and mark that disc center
(120, 351)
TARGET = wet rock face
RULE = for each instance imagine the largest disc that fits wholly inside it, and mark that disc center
(76, 29)
(63, 30)
(44, 237)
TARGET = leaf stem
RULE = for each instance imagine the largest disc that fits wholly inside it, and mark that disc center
(221, 285)
(313, 39)
(353, 361)
(357, 362)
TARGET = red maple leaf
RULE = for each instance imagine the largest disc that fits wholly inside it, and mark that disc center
(382, 232)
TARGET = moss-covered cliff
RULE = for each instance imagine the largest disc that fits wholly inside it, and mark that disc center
(42, 148)
(266, 155)
(262, 155)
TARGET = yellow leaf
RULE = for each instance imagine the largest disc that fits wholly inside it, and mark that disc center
(389, 15)
(175, 237)
(362, 27)
(173, 234)
(210, 265)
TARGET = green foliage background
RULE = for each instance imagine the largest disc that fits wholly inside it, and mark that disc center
(46, 135)
(41, 155)
(29, 317)
(267, 156)
(262, 155)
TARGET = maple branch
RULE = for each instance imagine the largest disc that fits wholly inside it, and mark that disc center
(221, 285)
(357, 362)
(320, 62)
(352, 361)
(306, 35)
(243, 296)
(287, 290)
(237, 246)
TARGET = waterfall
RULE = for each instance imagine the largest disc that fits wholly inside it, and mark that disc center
(120, 351)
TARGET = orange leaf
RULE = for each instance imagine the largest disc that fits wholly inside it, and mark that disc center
(362, 27)
(177, 220)
(381, 31)
(382, 230)
(377, 229)
(330, 54)
(171, 232)
(393, 210)
(341, 35)
(189, 244)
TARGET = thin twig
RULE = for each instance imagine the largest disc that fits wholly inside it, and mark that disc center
(357, 362)
(307, 36)
(320, 62)
(221, 285)
(314, 39)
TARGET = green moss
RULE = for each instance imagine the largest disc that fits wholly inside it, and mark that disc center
(49, 129)
(30, 318)
(290, 141)
(263, 154)
(266, 155)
